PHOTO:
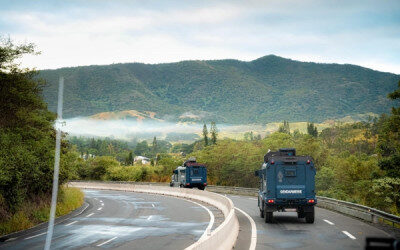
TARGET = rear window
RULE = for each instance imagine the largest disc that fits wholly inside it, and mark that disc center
(290, 172)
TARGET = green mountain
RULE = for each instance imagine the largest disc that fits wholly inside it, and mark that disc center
(268, 89)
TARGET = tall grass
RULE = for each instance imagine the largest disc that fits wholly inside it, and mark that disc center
(37, 210)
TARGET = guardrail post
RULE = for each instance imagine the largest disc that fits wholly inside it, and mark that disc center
(375, 219)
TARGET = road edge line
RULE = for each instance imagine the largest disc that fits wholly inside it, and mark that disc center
(253, 241)
(43, 225)
(207, 232)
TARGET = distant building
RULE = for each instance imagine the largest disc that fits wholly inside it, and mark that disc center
(87, 156)
(142, 159)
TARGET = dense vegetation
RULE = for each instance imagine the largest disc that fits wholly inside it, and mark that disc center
(27, 140)
(37, 210)
(268, 89)
(119, 149)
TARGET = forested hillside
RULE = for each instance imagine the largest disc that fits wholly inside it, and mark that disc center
(268, 89)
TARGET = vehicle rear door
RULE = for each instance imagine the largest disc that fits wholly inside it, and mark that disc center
(290, 180)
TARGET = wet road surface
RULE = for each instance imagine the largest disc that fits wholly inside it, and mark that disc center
(126, 220)
(330, 230)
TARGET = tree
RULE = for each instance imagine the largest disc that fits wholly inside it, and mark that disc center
(248, 136)
(312, 129)
(142, 148)
(389, 139)
(129, 159)
(205, 135)
(214, 133)
(284, 128)
(154, 146)
(27, 134)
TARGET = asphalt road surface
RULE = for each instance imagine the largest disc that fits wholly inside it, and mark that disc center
(329, 231)
(127, 220)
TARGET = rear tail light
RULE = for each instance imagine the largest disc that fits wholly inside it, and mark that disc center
(271, 201)
(308, 161)
(272, 162)
(205, 184)
(311, 201)
(187, 184)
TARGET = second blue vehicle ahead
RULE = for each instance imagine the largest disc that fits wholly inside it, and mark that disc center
(287, 182)
(191, 174)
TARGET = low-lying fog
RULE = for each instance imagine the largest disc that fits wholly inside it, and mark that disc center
(128, 129)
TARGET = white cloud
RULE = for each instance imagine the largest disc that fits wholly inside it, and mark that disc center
(306, 31)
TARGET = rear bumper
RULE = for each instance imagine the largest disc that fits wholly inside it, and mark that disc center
(190, 185)
(280, 204)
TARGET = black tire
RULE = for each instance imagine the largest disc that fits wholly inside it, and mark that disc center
(268, 217)
(201, 188)
(261, 206)
(300, 214)
(310, 216)
(181, 186)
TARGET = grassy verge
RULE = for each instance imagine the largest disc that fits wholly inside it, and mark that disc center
(37, 210)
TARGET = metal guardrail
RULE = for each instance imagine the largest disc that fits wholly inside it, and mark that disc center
(359, 211)
(365, 213)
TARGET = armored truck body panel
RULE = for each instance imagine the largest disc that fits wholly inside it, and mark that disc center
(287, 181)
(191, 174)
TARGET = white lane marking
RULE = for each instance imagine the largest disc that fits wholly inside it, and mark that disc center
(254, 199)
(102, 204)
(105, 242)
(89, 215)
(348, 234)
(330, 223)
(207, 232)
(69, 224)
(100, 208)
(35, 236)
(253, 241)
(149, 218)
(101, 201)
(153, 205)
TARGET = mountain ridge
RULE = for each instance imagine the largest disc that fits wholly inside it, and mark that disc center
(267, 89)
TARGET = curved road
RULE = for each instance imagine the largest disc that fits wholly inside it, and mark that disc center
(126, 220)
(330, 230)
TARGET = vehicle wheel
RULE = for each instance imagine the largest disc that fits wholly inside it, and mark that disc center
(268, 217)
(171, 184)
(260, 204)
(310, 216)
(300, 214)
(201, 188)
(181, 186)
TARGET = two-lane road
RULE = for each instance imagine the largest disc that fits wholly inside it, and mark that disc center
(126, 220)
(330, 230)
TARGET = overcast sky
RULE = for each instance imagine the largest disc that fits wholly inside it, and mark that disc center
(86, 32)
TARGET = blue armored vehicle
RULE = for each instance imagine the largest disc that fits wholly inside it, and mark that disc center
(287, 182)
(190, 174)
